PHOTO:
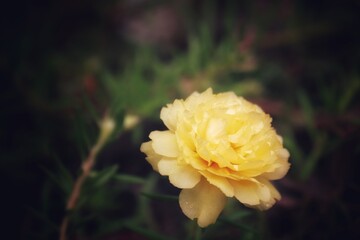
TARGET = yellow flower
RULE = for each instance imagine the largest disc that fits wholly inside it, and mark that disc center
(218, 146)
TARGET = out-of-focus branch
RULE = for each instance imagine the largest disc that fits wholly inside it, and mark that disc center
(107, 125)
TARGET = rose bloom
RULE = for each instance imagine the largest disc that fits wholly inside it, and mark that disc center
(218, 146)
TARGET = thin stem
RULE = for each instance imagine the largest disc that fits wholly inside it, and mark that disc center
(195, 231)
(106, 127)
(74, 196)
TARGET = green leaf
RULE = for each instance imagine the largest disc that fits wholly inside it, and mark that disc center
(194, 56)
(118, 115)
(349, 93)
(297, 154)
(314, 156)
(146, 232)
(239, 214)
(90, 107)
(127, 178)
(307, 108)
(235, 223)
(51, 226)
(84, 135)
(160, 196)
(65, 174)
(62, 178)
(105, 175)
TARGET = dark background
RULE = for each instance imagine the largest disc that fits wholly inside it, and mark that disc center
(52, 50)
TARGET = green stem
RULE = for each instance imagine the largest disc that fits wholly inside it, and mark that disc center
(198, 233)
(106, 128)
(195, 231)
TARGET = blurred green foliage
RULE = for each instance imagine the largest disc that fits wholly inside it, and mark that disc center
(299, 63)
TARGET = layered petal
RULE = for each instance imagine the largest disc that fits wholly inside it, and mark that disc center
(196, 99)
(152, 157)
(181, 176)
(164, 143)
(254, 193)
(204, 202)
(281, 166)
(171, 113)
(222, 183)
(218, 146)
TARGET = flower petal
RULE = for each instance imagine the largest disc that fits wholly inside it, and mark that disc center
(185, 177)
(195, 99)
(167, 166)
(275, 195)
(169, 114)
(246, 192)
(218, 145)
(204, 202)
(221, 182)
(282, 167)
(215, 128)
(164, 143)
(257, 194)
(152, 157)
(181, 176)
